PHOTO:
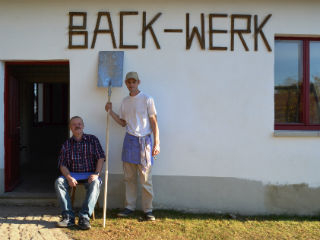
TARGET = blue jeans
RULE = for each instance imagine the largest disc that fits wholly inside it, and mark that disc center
(93, 190)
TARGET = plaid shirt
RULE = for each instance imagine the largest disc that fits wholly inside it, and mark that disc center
(81, 156)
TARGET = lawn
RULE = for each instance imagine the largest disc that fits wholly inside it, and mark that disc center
(178, 225)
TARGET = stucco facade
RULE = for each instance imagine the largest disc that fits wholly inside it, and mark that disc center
(215, 108)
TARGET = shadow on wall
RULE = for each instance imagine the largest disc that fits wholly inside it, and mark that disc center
(295, 199)
(218, 195)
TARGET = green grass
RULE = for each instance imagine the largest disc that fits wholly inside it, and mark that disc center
(178, 225)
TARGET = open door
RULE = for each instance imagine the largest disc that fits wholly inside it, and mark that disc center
(11, 131)
(36, 123)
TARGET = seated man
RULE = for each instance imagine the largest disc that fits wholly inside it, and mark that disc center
(81, 159)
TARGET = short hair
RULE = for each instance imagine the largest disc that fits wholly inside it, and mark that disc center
(74, 117)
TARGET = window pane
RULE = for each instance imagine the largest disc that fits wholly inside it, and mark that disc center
(288, 81)
(35, 102)
(40, 102)
(314, 82)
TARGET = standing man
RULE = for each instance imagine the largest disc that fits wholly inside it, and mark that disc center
(138, 114)
(81, 160)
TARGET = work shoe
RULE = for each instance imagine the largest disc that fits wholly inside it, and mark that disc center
(67, 221)
(125, 213)
(84, 223)
(149, 216)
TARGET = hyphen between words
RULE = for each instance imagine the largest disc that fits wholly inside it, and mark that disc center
(192, 33)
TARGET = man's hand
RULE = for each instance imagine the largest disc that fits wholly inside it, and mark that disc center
(156, 150)
(108, 107)
(72, 182)
(92, 178)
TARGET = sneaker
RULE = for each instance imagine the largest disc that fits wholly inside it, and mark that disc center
(125, 213)
(84, 223)
(67, 221)
(149, 216)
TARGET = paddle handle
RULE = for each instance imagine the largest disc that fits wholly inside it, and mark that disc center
(106, 166)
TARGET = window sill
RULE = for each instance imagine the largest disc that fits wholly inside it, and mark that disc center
(295, 133)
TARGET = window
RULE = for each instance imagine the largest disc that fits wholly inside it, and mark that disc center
(49, 103)
(297, 83)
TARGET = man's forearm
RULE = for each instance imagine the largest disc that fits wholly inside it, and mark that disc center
(99, 165)
(65, 172)
(117, 118)
(155, 130)
(156, 140)
(98, 170)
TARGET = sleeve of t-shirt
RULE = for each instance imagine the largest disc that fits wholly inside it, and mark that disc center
(99, 150)
(62, 161)
(151, 108)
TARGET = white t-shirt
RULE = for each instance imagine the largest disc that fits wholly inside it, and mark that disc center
(136, 112)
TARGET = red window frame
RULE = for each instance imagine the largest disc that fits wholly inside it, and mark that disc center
(305, 125)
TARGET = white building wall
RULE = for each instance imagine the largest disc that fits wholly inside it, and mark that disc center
(215, 108)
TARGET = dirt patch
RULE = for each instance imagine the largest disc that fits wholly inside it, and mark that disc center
(30, 222)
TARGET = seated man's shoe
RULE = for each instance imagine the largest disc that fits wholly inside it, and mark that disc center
(125, 213)
(84, 223)
(149, 216)
(67, 221)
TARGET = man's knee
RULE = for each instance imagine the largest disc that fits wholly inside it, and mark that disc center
(129, 176)
(96, 183)
(59, 182)
(94, 186)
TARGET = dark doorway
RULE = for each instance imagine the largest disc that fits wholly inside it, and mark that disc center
(36, 123)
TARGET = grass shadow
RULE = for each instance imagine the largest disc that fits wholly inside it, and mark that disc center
(43, 223)
(179, 215)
